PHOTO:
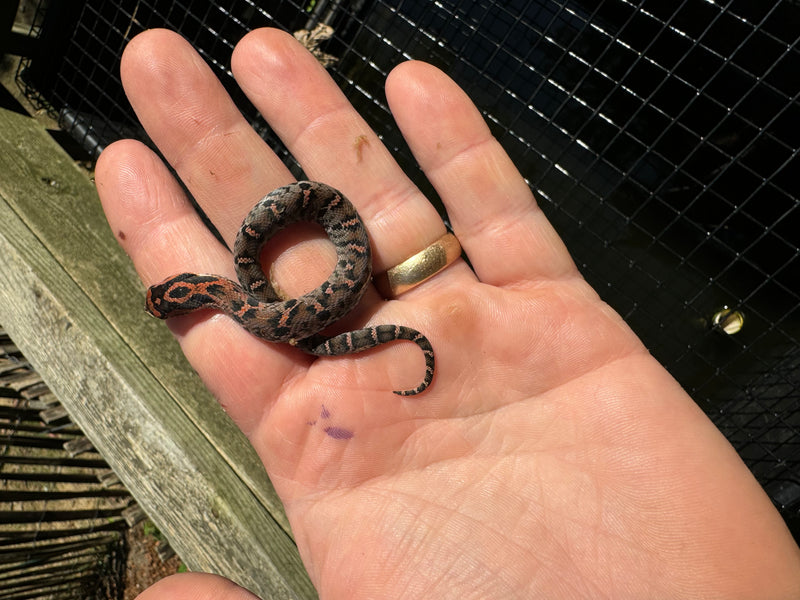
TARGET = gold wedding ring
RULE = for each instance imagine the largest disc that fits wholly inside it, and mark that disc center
(420, 267)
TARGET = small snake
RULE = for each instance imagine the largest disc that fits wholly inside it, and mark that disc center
(257, 306)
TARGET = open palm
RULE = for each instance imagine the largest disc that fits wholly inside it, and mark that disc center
(552, 456)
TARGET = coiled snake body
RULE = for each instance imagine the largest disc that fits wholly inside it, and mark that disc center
(257, 306)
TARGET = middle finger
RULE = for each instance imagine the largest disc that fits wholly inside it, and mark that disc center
(305, 107)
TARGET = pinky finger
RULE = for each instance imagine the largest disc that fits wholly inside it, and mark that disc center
(162, 233)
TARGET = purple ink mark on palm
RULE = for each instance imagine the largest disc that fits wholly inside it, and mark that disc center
(338, 433)
(324, 413)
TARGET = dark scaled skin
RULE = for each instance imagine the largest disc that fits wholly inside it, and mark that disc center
(254, 303)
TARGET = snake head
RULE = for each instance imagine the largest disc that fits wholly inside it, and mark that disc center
(152, 302)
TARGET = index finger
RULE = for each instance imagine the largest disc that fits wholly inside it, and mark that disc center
(199, 130)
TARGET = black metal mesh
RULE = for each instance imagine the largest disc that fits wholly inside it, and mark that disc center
(660, 138)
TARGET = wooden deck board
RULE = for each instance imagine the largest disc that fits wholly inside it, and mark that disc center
(72, 302)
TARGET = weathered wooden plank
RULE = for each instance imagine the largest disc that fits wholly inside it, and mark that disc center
(72, 302)
(57, 202)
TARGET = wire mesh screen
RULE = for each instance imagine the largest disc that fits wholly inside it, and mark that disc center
(660, 138)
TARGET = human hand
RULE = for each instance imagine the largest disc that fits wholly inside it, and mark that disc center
(551, 457)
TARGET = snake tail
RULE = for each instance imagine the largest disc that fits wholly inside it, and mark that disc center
(370, 337)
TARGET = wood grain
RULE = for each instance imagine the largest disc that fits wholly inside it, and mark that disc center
(72, 302)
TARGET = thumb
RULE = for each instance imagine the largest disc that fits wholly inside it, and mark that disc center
(195, 586)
